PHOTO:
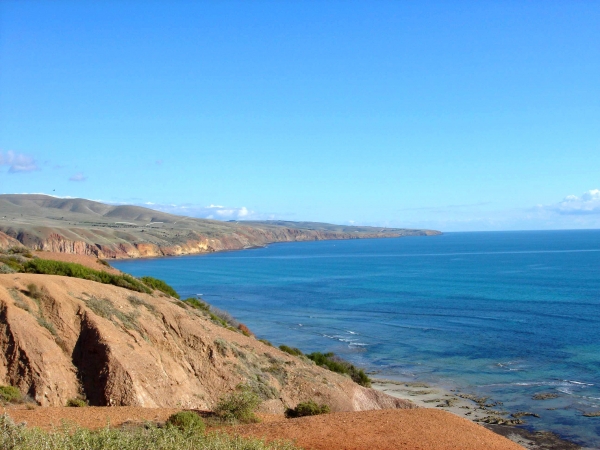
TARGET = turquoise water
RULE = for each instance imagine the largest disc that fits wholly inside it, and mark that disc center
(506, 314)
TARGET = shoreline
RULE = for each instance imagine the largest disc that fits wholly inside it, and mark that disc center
(475, 409)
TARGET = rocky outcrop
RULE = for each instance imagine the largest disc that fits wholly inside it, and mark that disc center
(7, 242)
(90, 243)
(68, 337)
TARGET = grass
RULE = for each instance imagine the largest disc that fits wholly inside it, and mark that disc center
(309, 408)
(160, 285)
(106, 309)
(17, 437)
(239, 406)
(49, 267)
(76, 403)
(10, 394)
(291, 350)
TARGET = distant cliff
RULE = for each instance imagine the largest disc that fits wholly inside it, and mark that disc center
(81, 226)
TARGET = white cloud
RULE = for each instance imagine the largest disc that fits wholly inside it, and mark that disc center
(216, 212)
(587, 203)
(18, 162)
(78, 177)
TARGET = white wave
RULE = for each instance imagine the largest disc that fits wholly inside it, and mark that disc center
(579, 382)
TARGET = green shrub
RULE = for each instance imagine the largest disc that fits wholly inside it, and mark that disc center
(19, 437)
(10, 394)
(76, 403)
(4, 268)
(160, 285)
(291, 350)
(187, 421)
(197, 304)
(12, 263)
(266, 342)
(239, 406)
(336, 364)
(309, 408)
(50, 267)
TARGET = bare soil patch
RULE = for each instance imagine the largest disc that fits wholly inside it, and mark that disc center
(414, 429)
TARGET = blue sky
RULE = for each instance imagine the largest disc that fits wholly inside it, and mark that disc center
(447, 115)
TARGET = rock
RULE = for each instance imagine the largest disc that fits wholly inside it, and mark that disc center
(495, 420)
(592, 414)
(523, 414)
(544, 396)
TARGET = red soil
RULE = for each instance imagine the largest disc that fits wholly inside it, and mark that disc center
(409, 429)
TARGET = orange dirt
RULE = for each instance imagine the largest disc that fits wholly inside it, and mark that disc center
(411, 429)
(89, 261)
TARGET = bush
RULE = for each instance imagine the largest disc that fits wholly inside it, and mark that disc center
(50, 267)
(336, 364)
(245, 330)
(6, 269)
(187, 421)
(34, 292)
(197, 304)
(10, 394)
(223, 317)
(76, 403)
(291, 350)
(239, 406)
(309, 408)
(160, 285)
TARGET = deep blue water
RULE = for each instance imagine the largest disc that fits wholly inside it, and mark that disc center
(501, 314)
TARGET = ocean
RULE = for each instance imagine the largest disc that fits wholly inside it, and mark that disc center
(505, 315)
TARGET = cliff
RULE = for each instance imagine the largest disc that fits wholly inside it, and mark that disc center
(65, 337)
(79, 226)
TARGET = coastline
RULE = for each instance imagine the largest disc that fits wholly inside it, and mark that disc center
(476, 410)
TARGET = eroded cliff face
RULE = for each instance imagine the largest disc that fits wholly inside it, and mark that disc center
(111, 244)
(116, 347)
(7, 242)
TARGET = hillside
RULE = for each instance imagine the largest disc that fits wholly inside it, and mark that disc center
(80, 226)
(62, 338)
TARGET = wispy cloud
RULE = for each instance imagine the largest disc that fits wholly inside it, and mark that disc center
(18, 162)
(78, 177)
(586, 203)
(217, 212)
